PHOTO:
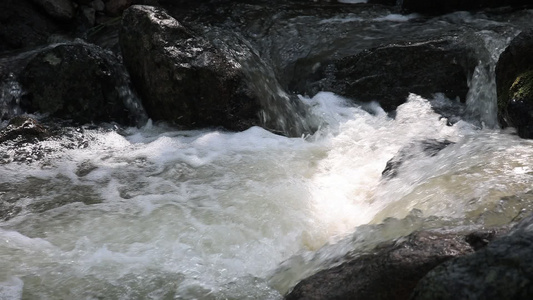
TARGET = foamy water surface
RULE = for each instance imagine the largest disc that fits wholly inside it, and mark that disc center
(213, 215)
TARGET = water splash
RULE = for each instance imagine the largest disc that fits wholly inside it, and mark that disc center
(280, 112)
(481, 101)
(10, 95)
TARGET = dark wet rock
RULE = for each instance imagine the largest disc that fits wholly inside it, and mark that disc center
(23, 128)
(82, 1)
(387, 74)
(327, 47)
(116, 7)
(59, 9)
(182, 77)
(501, 270)
(105, 33)
(520, 106)
(427, 147)
(514, 81)
(87, 16)
(98, 5)
(383, 2)
(80, 82)
(23, 25)
(48, 141)
(446, 6)
(392, 270)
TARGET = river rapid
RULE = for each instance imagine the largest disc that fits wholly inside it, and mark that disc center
(160, 213)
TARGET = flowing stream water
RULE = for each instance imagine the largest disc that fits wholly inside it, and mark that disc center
(158, 213)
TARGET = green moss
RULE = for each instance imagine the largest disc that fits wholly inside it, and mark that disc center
(522, 88)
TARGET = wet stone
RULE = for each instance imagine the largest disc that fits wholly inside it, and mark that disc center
(23, 129)
(85, 168)
(501, 270)
(392, 269)
(428, 147)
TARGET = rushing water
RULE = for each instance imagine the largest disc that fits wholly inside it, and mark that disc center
(211, 214)
(156, 213)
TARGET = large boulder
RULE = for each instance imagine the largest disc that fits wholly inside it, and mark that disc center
(182, 77)
(502, 270)
(23, 25)
(387, 74)
(393, 269)
(80, 82)
(445, 6)
(514, 81)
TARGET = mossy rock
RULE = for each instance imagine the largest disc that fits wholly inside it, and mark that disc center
(517, 111)
(522, 88)
(513, 70)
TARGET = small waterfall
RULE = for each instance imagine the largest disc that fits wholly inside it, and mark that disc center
(481, 101)
(280, 112)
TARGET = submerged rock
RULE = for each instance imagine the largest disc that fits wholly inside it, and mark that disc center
(427, 147)
(80, 82)
(389, 73)
(502, 270)
(27, 140)
(53, 193)
(514, 79)
(393, 269)
(181, 76)
(23, 128)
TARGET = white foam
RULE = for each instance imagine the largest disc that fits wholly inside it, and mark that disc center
(349, 19)
(210, 210)
(397, 18)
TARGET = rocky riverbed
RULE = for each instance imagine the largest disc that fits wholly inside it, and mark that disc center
(76, 74)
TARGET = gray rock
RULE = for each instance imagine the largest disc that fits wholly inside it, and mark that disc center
(502, 270)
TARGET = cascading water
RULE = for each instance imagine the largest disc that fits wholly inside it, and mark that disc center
(280, 112)
(157, 213)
